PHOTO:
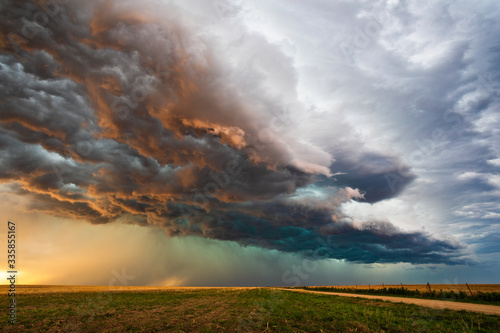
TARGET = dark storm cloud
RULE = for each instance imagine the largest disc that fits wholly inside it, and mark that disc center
(378, 177)
(311, 233)
(110, 111)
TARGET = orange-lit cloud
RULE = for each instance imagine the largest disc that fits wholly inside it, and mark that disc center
(115, 112)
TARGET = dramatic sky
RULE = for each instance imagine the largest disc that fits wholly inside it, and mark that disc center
(251, 142)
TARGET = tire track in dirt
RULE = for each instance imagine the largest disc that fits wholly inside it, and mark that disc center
(457, 306)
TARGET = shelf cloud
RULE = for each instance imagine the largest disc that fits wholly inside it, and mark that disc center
(178, 115)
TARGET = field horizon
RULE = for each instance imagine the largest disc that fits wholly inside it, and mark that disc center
(29, 288)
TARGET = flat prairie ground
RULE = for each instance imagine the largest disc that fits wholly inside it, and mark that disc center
(150, 309)
(485, 288)
(42, 289)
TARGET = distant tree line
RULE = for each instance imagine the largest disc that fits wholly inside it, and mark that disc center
(461, 296)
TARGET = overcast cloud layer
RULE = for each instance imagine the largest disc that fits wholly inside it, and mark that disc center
(370, 129)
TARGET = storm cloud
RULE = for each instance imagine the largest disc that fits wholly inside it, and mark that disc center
(158, 114)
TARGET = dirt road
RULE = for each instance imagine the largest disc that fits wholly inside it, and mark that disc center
(487, 309)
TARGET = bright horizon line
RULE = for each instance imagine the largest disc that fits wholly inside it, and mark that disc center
(323, 285)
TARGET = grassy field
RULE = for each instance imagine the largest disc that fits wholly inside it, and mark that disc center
(90, 309)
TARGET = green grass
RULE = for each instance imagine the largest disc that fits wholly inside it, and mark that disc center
(244, 310)
(492, 298)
